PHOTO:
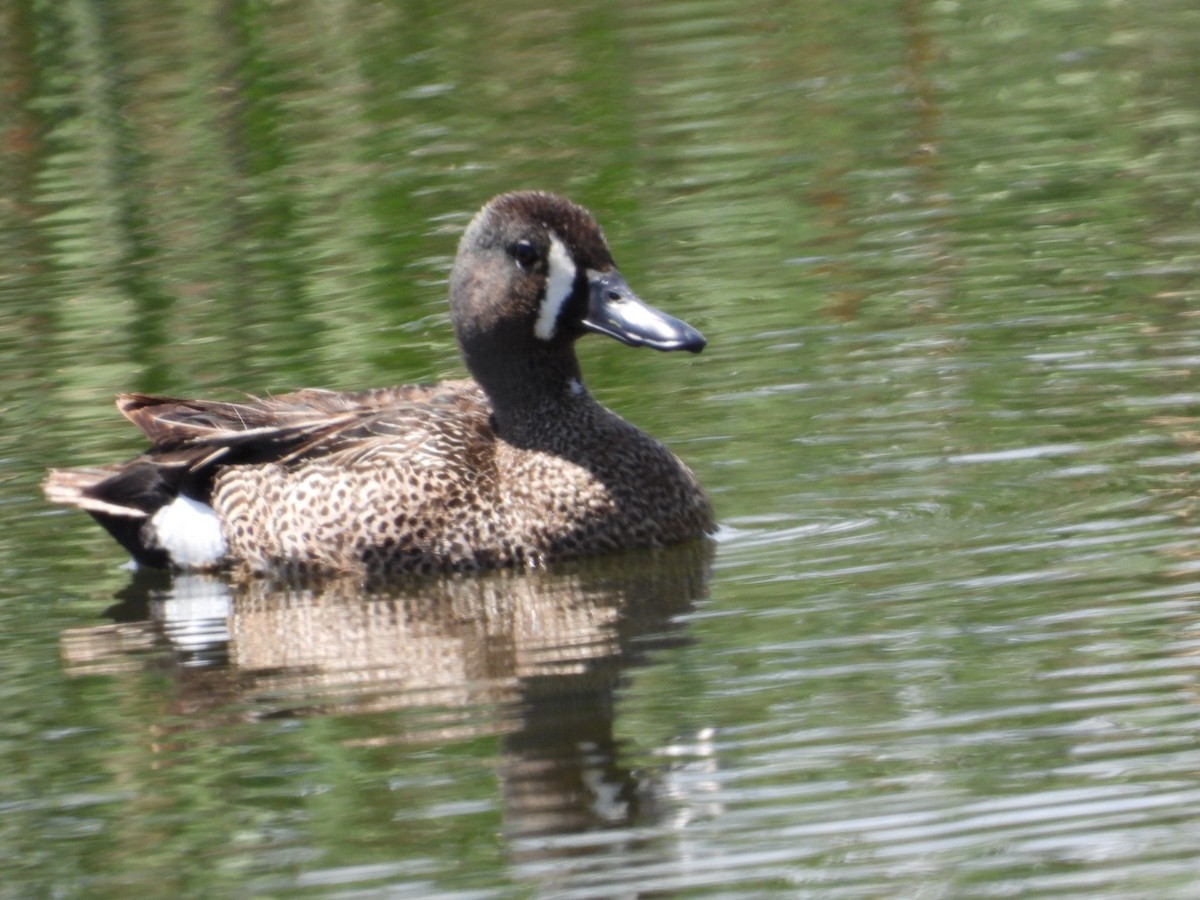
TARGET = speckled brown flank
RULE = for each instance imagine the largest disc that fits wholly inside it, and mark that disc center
(452, 495)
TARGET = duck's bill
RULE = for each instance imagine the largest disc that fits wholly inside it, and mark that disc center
(615, 310)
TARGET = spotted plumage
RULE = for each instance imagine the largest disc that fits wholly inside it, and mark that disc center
(518, 467)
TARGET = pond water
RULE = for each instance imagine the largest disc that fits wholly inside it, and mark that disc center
(947, 642)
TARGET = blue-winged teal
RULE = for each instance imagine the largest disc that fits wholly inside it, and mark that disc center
(519, 466)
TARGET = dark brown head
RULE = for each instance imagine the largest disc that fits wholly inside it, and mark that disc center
(533, 274)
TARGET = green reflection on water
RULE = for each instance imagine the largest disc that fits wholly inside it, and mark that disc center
(945, 255)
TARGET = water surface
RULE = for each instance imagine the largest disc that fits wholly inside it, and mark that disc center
(946, 642)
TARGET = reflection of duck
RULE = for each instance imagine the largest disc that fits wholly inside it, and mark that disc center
(444, 640)
(518, 467)
(533, 656)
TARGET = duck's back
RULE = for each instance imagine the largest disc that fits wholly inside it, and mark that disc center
(403, 479)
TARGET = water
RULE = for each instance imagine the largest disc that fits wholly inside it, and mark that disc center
(945, 644)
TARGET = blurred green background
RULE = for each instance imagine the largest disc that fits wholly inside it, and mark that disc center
(946, 256)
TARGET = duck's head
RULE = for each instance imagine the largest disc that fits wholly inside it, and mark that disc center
(532, 275)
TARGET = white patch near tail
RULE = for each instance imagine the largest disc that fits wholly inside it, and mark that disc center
(560, 282)
(190, 532)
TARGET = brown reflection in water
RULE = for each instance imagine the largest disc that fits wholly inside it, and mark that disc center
(533, 656)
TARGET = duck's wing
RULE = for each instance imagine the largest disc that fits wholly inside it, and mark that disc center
(290, 428)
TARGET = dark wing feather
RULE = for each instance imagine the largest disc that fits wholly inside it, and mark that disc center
(292, 427)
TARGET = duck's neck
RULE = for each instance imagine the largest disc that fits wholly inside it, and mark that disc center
(534, 395)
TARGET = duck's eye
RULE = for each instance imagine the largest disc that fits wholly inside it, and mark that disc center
(524, 253)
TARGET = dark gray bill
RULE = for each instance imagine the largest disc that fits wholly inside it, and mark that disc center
(615, 310)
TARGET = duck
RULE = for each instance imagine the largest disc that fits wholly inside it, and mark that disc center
(516, 466)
